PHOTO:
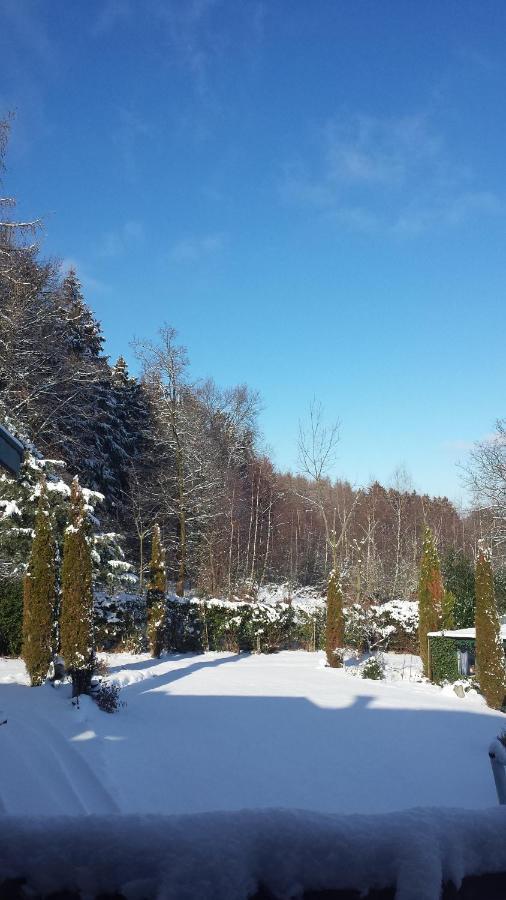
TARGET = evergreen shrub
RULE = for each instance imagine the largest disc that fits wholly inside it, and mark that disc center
(11, 616)
(76, 617)
(430, 596)
(334, 634)
(39, 595)
(490, 663)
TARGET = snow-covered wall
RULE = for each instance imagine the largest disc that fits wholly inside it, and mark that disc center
(228, 855)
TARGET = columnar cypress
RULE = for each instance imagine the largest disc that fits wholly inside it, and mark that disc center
(489, 649)
(334, 631)
(76, 618)
(430, 596)
(155, 595)
(39, 595)
(448, 611)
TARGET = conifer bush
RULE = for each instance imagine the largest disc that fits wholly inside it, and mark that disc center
(39, 595)
(430, 596)
(76, 620)
(155, 596)
(334, 631)
(489, 649)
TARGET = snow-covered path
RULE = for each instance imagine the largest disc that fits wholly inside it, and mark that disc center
(221, 731)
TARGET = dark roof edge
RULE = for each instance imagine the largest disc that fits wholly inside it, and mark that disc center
(13, 441)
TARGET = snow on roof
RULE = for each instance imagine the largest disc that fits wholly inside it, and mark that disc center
(464, 633)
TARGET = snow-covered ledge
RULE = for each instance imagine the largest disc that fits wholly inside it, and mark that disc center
(230, 854)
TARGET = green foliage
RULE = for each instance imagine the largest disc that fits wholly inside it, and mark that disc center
(430, 596)
(76, 620)
(500, 590)
(444, 664)
(39, 596)
(334, 633)
(490, 666)
(155, 596)
(11, 616)
(458, 575)
(448, 611)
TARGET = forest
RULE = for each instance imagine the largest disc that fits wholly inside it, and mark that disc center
(161, 447)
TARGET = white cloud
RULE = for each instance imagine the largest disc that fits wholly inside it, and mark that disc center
(196, 248)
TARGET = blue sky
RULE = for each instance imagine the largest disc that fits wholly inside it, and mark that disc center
(312, 193)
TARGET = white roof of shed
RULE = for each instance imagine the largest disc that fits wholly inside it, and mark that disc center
(464, 633)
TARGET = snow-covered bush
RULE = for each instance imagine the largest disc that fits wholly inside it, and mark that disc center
(387, 626)
(373, 668)
(106, 696)
(120, 621)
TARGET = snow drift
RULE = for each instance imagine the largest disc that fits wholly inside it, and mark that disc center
(229, 855)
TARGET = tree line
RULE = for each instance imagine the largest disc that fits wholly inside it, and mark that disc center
(164, 448)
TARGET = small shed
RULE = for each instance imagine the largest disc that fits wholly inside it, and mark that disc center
(11, 451)
(452, 654)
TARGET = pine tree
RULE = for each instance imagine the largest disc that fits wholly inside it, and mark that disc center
(334, 633)
(489, 649)
(430, 596)
(76, 620)
(83, 333)
(39, 595)
(156, 596)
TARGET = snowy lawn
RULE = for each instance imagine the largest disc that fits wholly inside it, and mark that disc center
(225, 732)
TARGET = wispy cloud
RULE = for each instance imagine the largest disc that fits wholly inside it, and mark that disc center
(392, 174)
(193, 249)
(464, 445)
(119, 241)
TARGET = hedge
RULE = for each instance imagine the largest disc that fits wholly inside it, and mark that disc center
(198, 625)
(444, 664)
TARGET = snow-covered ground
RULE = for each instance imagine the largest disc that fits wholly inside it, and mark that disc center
(220, 731)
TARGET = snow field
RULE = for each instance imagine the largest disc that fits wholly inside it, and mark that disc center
(221, 731)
